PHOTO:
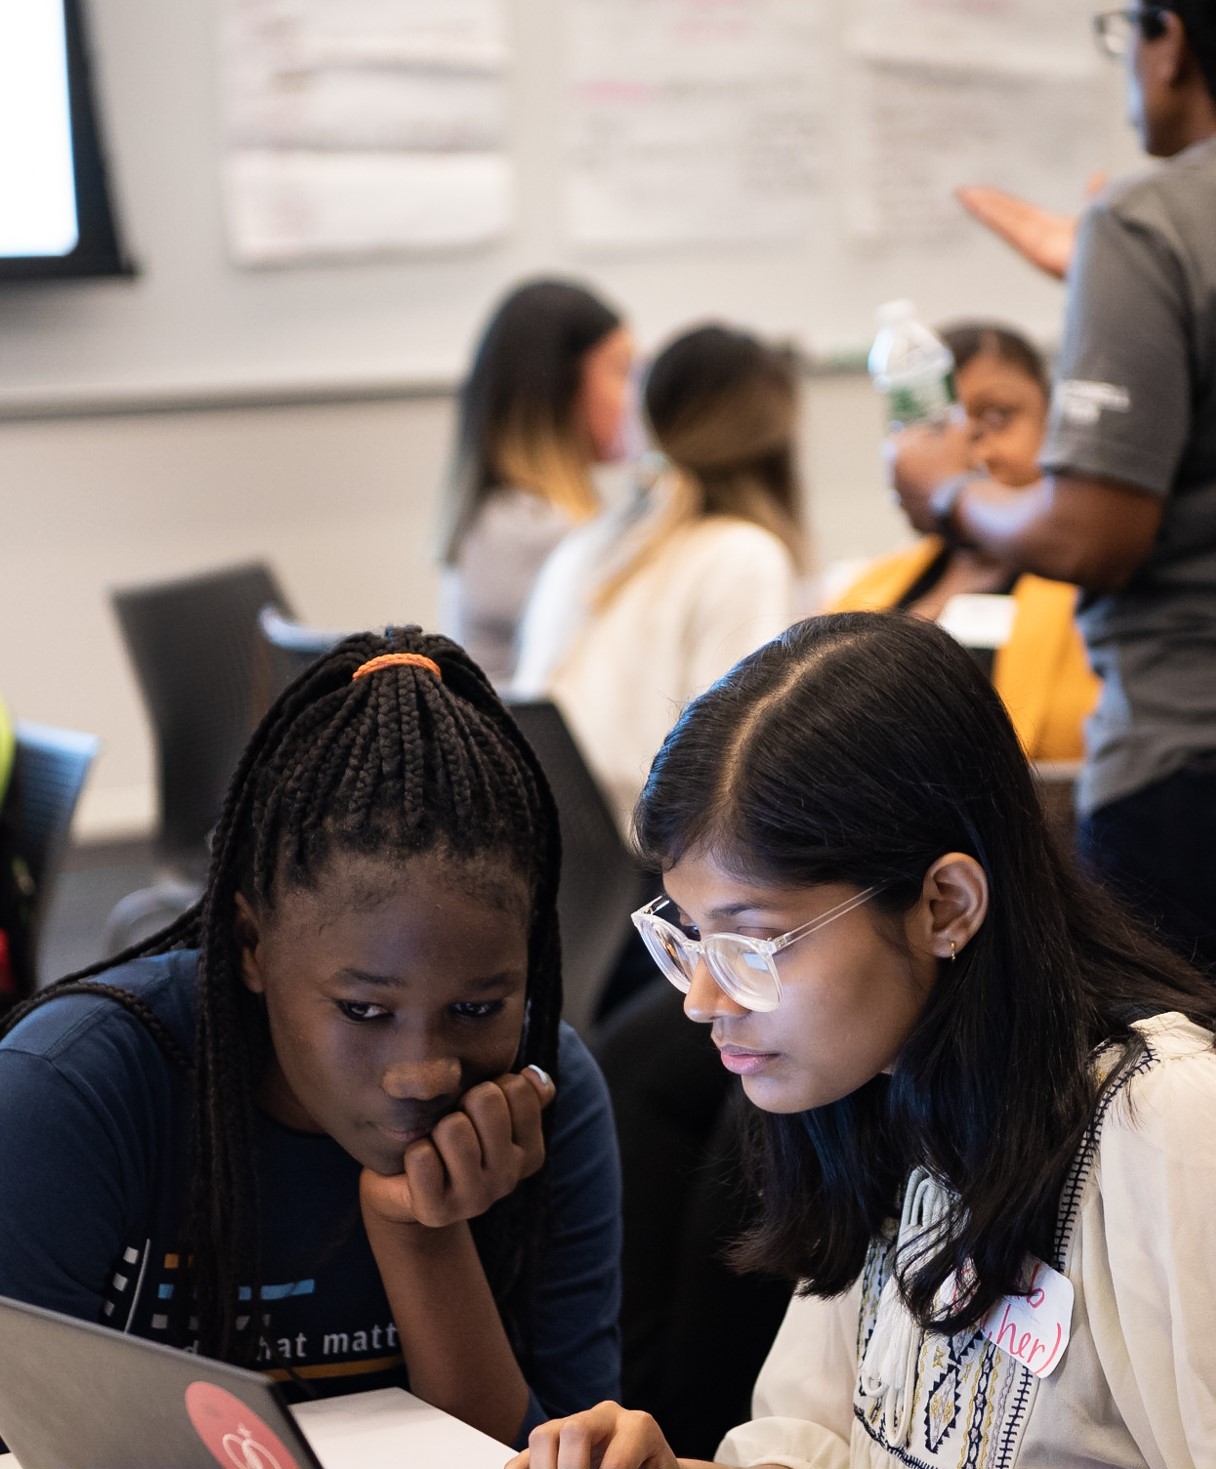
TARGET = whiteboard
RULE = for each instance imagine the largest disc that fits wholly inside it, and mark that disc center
(193, 325)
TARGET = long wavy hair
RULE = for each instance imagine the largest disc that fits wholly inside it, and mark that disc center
(393, 765)
(722, 406)
(859, 748)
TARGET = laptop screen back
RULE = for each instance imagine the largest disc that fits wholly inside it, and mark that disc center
(78, 1396)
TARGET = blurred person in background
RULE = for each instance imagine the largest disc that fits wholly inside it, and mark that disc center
(544, 403)
(647, 605)
(1126, 505)
(1041, 669)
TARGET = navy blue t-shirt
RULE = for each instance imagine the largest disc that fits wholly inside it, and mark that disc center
(94, 1143)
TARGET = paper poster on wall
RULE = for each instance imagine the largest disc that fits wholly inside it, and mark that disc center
(353, 126)
(691, 122)
(1000, 92)
(975, 32)
(914, 132)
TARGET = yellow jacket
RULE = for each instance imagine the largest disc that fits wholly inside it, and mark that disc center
(1042, 673)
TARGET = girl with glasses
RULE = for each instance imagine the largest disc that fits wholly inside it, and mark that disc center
(328, 1124)
(985, 1100)
(1041, 669)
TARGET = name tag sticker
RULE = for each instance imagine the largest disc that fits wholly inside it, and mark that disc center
(1034, 1328)
(979, 619)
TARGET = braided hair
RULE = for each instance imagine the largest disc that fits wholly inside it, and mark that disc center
(395, 764)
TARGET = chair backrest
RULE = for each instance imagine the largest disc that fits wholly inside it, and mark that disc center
(192, 642)
(49, 770)
(1057, 780)
(286, 648)
(601, 883)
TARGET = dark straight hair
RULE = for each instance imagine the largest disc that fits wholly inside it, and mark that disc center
(1198, 19)
(392, 765)
(516, 412)
(970, 339)
(858, 748)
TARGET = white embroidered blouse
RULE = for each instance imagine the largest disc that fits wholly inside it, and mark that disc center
(1136, 1385)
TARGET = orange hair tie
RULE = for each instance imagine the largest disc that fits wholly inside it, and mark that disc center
(393, 660)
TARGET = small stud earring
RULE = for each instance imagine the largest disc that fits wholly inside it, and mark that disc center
(953, 952)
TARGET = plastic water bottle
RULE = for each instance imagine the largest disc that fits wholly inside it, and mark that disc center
(911, 367)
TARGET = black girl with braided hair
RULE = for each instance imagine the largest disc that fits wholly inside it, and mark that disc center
(326, 1123)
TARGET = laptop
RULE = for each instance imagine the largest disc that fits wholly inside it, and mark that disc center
(78, 1396)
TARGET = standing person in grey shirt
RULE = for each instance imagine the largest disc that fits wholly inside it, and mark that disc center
(1126, 508)
(544, 402)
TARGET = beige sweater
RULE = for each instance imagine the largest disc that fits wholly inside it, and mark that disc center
(716, 590)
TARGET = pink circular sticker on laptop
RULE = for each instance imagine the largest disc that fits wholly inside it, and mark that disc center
(233, 1433)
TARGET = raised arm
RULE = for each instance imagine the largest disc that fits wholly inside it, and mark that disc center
(455, 1345)
(573, 1356)
(457, 1351)
(1044, 239)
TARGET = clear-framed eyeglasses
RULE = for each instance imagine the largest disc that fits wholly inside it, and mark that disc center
(742, 967)
(1113, 29)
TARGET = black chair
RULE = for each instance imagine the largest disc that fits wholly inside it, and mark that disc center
(49, 770)
(192, 642)
(601, 882)
(285, 649)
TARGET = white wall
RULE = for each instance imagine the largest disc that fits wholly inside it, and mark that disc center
(339, 498)
(336, 498)
(194, 323)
